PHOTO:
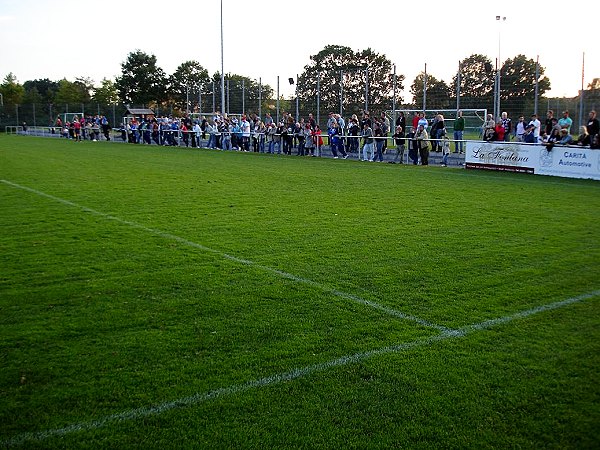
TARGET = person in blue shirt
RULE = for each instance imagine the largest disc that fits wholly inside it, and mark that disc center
(336, 140)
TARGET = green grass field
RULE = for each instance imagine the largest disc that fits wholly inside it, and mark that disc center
(178, 298)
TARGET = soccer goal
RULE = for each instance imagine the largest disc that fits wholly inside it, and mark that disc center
(474, 118)
(70, 117)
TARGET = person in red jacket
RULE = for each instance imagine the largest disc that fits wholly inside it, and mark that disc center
(499, 131)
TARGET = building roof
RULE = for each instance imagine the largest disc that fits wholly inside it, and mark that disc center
(139, 111)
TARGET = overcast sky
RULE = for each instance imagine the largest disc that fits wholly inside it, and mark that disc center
(68, 39)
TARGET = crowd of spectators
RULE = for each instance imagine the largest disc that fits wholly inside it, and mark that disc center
(554, 131)
(251, 133)
(367, 136)
(83, 128)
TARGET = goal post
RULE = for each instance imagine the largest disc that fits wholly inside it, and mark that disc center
(474, 118)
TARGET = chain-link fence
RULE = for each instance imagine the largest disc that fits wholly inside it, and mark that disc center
(262, 100)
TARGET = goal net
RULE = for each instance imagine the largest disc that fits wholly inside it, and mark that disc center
(474, 118)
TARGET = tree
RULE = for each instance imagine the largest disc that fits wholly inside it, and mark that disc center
(242, 93)
(141, 82)
(594, 85)
(189, 79)
(33, 96)
(107, 93)
(438, 92)
(12, 92)
(72, 93)
(240, 85)
(477, 78)
(341, 74)
(518, 84)
(85, 86)
(45, 88)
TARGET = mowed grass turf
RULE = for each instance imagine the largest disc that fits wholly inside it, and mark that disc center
(161, 297)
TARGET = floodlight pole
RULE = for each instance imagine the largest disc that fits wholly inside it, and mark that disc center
(222, 67)
(425, 89)
(297, 101)
(367, 89)
(537, 86)
(500, 20)
(394, 100)
(581, 93)
(318, 97)
(458, 88)
(187, 99)
(341, 92)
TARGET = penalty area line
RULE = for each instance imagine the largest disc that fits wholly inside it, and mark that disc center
(294, 374)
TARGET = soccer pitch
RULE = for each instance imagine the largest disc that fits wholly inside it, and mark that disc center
(157, 297)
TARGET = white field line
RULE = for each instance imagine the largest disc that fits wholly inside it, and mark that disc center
(302, 372)
(289, 276)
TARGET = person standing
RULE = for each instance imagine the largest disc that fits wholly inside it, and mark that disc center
(184, 134)
(385, 129)
(268, 120)
(507, 125)
(520, 129)
(422, 120)
(365, 119)
(379, 140)
(565, 122)
(445, 149)
(367, 135)
(433, 131)
(499, 131)
(489, 128)
(245, 127)
(459, 130)
(593, 126)
(413, 151)
(270, 137)
(401, 121)
(197, 133)
(58, 124)
(211, 129)
(437, 131)
(342, 129)
(353, 132)
(399, 141)
(415, 123)
(548, 123)
(423, 143)
(309, 141)
(336, 140)
(535, 122)
(278, 137)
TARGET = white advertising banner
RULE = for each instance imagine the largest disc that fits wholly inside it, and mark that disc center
(569, 162)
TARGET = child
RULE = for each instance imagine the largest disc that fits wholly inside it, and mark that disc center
(445, 144)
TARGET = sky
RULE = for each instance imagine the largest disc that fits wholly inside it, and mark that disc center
(265, 39)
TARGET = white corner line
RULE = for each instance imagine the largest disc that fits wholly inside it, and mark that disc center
(294, 374)
(247, 262)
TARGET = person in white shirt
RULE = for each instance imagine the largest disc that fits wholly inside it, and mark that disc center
(245, 126)
(198, 133)
(536, 127)
(520, 129)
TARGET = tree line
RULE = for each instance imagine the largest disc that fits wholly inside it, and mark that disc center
(338, 76)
